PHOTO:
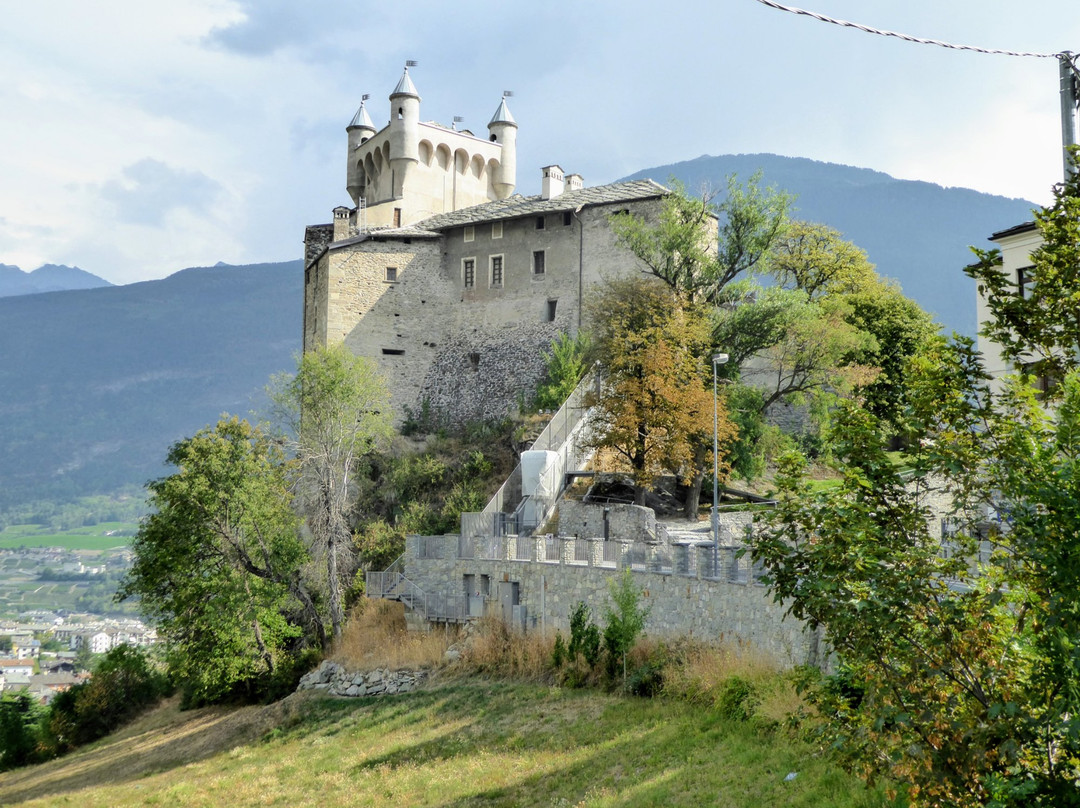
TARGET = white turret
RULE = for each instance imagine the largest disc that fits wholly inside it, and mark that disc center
(404, 131)
(360, 129)
(503, 131)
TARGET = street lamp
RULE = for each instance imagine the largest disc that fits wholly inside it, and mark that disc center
(717, 359)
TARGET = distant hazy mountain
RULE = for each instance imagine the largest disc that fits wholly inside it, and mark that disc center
(915, 232)
(46, 278)
(95, 385)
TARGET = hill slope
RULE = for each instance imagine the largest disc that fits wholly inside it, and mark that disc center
(915, 232)
(96, 384)
(471, 743)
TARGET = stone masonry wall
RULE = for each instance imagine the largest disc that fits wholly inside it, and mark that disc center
(681, 605)
(586, 520)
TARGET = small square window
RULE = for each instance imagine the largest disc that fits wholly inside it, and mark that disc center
(468, 271)
(470, 233)
(496, 270)
(496, 230)
(567, 218)
(391, 274)
(540, 223)
(538, 262)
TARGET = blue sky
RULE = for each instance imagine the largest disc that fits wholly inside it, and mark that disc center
(138, 138)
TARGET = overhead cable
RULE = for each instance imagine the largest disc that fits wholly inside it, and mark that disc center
(905, 37)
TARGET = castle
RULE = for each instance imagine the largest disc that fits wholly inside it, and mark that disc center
(439, 272)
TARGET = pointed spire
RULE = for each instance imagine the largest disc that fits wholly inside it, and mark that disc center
(405, 86)
(361, 119)
(502, 114)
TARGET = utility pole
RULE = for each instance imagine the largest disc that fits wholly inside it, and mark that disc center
(1070, 100)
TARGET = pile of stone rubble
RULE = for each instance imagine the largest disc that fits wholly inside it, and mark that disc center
(337, 681)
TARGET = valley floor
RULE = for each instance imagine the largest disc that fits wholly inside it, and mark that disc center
(465, 742)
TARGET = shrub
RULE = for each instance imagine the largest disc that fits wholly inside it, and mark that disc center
(738, 698)
(624, 622)
(123, 684)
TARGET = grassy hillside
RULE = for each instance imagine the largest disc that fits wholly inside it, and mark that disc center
(462, 743)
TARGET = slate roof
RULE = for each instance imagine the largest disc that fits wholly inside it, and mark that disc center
(517, 206)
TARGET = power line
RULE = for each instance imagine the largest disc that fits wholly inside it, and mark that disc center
(905, 37)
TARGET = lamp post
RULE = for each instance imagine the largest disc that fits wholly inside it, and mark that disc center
(717, 359)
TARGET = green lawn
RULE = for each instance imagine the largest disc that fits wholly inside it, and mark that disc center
(81, 538)
(470, 743)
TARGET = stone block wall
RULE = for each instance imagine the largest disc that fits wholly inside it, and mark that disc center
(680, 605)
(631, 522)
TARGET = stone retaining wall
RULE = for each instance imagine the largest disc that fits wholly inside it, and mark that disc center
(337, 681)
(681, 605)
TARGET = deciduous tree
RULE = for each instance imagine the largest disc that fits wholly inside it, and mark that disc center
(336, 411)
(654, 412)
(217, 565)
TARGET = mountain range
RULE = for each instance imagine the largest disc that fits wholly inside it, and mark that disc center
(46, 278)
(916, 233)
(97, 383)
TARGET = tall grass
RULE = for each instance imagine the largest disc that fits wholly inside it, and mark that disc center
(376, 636)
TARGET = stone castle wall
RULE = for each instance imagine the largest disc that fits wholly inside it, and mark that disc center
(681, 605)
(469, 352)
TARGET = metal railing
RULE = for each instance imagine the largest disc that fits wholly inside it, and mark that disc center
(436, 607)
(504, 513)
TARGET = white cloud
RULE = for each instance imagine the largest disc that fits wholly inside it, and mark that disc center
(138, 138)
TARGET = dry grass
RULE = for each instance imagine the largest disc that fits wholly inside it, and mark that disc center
(500, 650)
(376, 636)
(701, 674)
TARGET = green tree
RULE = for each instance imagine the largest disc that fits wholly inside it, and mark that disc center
(698, 248)
(20, 717)
(336, 410)
(654, 413)
(565, 366)
(956, 667)
(219, 564)
(624, 620)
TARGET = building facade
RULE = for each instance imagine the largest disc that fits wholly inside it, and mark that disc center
(451, 282)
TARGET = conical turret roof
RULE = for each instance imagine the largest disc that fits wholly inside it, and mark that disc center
(405, 86)
(361, 119)
(502, 114)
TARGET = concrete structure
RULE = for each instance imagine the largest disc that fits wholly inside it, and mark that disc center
(452, 283)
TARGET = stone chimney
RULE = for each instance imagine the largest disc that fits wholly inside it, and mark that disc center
(342, 215)
(574, 182)
(552, 182)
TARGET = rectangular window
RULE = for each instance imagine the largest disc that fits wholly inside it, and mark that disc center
(551, 304)
(538, 262)
(567, 218)
(496, 270)
(540, 223)
(496, 230)
(470, 233)
(393, 352)
(1024, 282)
(468, 272)
(391, 274)
(397, 217)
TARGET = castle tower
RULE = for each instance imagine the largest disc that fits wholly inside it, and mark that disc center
(404, 132)
(359, 130)
(503, 131)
